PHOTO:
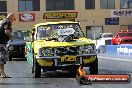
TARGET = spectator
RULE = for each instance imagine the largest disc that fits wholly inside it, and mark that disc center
(5, 36)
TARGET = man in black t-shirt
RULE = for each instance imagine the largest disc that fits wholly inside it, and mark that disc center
(5, 36)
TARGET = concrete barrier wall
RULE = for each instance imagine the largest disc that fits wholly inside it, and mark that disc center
(125, 49)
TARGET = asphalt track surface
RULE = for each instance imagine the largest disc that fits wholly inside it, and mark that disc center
(22, 77)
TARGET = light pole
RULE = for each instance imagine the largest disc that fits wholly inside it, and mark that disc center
(93, 32)
(93, 29)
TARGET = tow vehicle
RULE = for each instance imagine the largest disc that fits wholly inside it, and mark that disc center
(122, 37)
(16, 46)
(60, 46)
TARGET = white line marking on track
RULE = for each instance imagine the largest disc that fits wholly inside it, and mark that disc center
(111, 58)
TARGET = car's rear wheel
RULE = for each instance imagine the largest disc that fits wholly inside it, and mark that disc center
(94, 67)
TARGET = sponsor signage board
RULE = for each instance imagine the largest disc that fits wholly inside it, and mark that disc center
(111, 21)
(121, 13)
(123, 49)
(26, 17)
(60, 15)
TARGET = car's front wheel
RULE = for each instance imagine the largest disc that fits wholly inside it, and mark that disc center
(37, 69)
(73, 70)
(10, 58)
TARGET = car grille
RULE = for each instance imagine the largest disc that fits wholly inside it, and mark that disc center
(67, 51)
(19, 48)
(127, 41)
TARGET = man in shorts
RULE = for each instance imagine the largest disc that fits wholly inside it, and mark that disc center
(5, 36)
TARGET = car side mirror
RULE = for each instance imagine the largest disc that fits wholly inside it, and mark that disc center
(33, 33)
(29, 40)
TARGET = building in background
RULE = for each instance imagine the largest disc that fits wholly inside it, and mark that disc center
(95, 16)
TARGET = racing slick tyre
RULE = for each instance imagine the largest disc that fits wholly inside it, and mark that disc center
(73, 70)
(94, 67)
(37, 73)
(10, 58)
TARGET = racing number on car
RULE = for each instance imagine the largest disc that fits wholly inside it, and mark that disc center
(68, 58)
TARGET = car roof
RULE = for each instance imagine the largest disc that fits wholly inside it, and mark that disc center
(48, 23)
(106, 33)
(124, 32)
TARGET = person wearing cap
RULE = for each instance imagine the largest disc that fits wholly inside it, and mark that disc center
(5, 36)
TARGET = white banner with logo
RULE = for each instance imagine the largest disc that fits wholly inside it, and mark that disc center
(121, 13)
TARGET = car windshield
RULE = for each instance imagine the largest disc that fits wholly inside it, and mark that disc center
(53, 30)
(125, 34)
(107, 35)
(20, 35)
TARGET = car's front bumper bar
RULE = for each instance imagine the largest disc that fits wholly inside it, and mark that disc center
(58, 57)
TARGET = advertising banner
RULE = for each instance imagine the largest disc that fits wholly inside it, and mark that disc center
(60, 15)
(124, 49)
(112, 21)
(121, 13)
(26, 17)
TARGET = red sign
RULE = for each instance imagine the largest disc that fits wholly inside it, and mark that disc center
(26, 17)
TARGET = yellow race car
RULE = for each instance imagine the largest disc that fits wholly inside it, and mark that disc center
(60, 46)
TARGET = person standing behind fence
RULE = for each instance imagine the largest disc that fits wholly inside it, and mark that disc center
(5, 36)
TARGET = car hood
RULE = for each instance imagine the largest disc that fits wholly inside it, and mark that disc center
(16, 42)
(126, 38)
(106, 38)
(77, 42)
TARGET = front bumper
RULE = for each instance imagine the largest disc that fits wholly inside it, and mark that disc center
(16, 50)
(57, 60)
(16, 53)
(126, 41)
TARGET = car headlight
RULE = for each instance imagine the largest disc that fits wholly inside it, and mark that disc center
(88, 49)
(10, 47)
(46, 52)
